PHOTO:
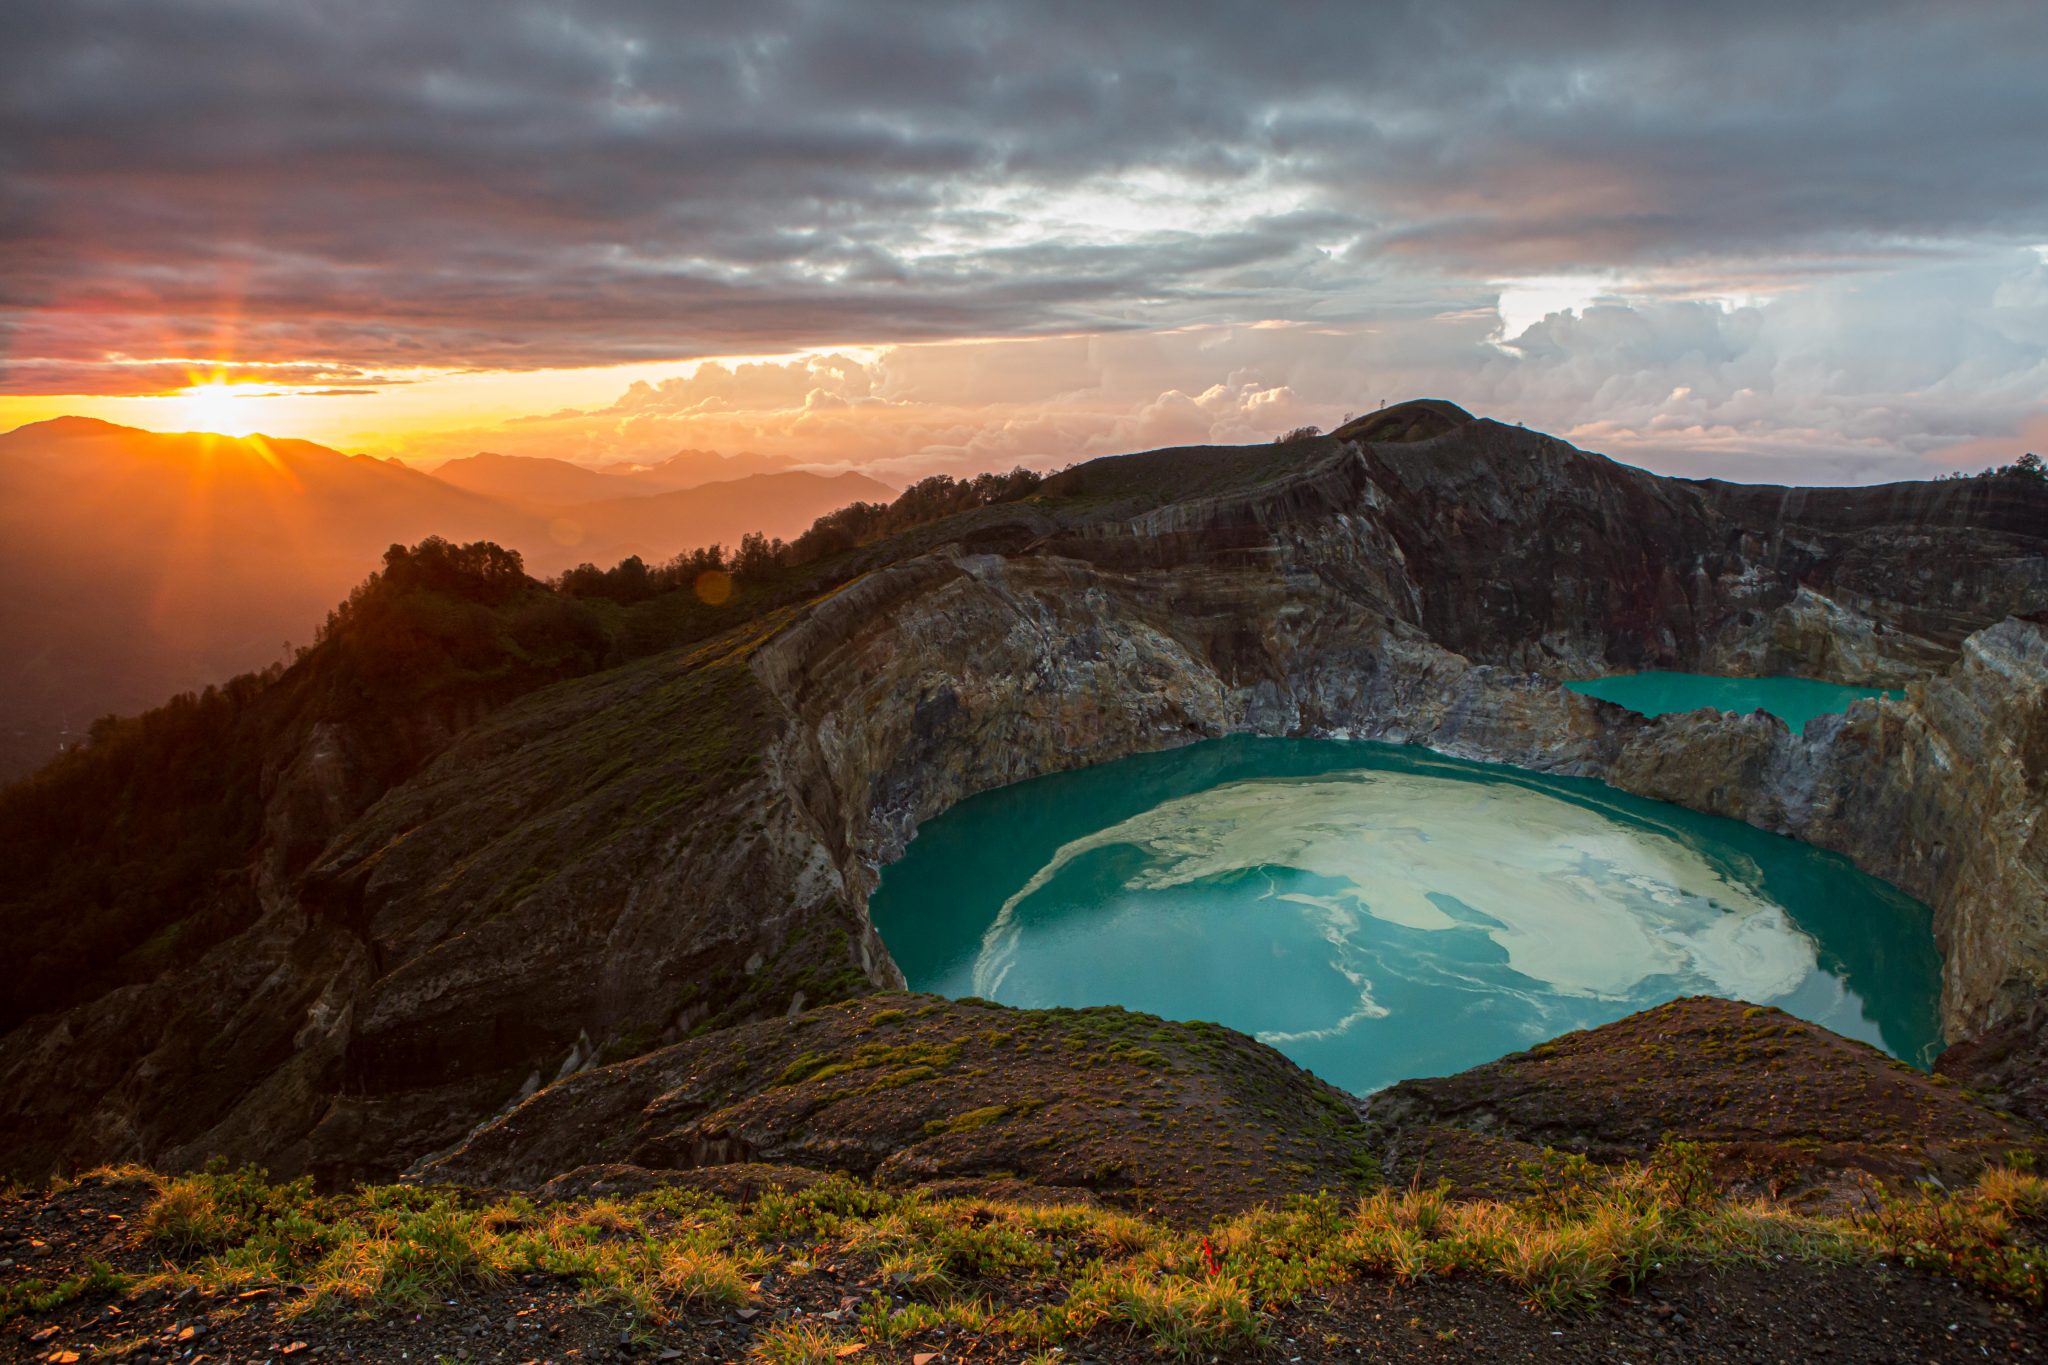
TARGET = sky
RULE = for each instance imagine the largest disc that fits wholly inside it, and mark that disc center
(1765, 241)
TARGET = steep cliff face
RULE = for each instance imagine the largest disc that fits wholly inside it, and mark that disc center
(689, 842)
(1941, 793)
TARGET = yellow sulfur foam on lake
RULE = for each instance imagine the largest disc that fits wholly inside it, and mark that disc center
(1579, 902)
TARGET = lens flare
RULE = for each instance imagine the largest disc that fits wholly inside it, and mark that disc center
(713, 587)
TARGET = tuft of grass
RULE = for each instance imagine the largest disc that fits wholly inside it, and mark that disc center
(798, 1343)
(967, 1122)
(879, 1320)
(186, 1217)
(218, 1208)
(1557, 1268)
(100, 1280)
(1181, 1316)
(411, 1259)
(918, 1271)
(916, 1060)
(2021, 1194)
(697, 1276)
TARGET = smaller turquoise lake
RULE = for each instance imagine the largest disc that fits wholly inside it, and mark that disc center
(1378, 911)
(1792, 700)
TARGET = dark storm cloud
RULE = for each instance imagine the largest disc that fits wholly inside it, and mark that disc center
(378, 185)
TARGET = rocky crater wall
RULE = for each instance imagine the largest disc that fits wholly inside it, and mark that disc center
(688, 843)
(1435, 593)
(993, 669)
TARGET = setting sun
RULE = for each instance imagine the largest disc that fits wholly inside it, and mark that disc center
(217, 406)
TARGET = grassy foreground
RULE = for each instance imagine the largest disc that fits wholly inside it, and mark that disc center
(1032, 1275)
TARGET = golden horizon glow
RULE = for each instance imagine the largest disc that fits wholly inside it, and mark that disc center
(401, 415)
(899, 411)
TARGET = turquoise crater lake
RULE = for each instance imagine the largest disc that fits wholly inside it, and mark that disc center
(1378, 912)
(1792, 700)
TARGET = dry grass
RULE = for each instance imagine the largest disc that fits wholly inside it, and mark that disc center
(1042, 1276)
(2021, 1194)
(797, 1343)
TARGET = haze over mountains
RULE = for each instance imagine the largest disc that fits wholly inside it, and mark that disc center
(528, 478)
(147, 563)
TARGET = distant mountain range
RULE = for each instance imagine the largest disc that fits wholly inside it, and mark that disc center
(528, 478)
(144, 563)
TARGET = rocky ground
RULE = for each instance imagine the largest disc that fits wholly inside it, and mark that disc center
(1793, 1313)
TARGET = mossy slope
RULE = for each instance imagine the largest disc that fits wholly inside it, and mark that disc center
(1186, 1120)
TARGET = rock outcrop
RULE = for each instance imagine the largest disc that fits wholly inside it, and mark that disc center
(910, 1090)
(688, 843)
(1763, 1094)
(1941, 793)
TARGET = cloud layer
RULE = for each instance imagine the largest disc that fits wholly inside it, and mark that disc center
(1810, 387)
(1813, 219)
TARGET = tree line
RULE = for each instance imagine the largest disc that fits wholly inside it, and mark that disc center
(2027, 466)
(757, 557)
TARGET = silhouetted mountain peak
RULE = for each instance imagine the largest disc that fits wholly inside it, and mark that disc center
(74, 426)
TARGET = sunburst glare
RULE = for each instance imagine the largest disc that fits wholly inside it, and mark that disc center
(218, 406)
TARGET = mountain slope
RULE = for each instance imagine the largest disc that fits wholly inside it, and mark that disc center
(534, 479)
(144, 564)
(691, 468)
(780, 506)
(550, 482)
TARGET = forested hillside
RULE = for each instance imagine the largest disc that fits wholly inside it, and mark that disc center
(134, 852)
